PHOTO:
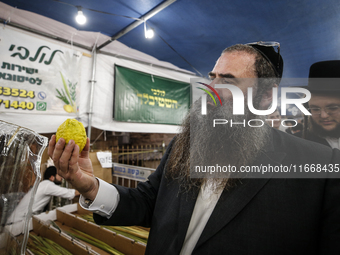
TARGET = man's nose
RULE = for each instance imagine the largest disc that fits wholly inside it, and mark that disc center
(323, 113)
(213, 84)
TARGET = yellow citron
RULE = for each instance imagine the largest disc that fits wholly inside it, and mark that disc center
(74, 130)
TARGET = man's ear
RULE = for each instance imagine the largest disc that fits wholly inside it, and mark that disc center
(52, 178)
(267, 98)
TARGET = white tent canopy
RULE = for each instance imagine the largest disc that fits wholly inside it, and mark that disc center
(114, 53)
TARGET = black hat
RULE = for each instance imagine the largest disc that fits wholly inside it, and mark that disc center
(324, 77)
(273, 57)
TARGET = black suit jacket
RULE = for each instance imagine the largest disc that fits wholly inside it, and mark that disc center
(315, 138)
(260, 216)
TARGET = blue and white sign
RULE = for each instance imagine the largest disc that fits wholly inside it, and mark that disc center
(132, 172)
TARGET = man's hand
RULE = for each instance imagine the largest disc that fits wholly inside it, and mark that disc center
(74, 168)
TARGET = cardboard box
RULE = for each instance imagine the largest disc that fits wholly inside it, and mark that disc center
(42, 229)
(68, 217)
(102, 173)
(117, 241)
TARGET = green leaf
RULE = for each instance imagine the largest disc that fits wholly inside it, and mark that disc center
(72, 88)
(62, 97)
(66, 89)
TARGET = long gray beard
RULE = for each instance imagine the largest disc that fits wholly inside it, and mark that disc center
(201, 144)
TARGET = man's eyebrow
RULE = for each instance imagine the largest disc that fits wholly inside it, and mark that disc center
(223, 75)
(226, 75)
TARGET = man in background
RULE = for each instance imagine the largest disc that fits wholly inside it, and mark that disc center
(297, 130)
(323, 126)
(274, 119)
(290, 124)
(49, 187)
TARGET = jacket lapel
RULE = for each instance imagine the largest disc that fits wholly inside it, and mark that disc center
(317, 139)
(233, 201)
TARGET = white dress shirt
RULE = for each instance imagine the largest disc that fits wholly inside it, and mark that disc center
(205, 204)
(333, 142)
(105, 202)
(45, 190)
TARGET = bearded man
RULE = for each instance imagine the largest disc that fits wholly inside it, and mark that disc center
(230, 213)
(324, 105)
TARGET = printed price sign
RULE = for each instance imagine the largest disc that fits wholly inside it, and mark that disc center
(105, 159)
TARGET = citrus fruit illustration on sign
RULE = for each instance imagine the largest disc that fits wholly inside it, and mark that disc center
(68, 95)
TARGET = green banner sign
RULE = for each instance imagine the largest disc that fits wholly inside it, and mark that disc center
(146, 98)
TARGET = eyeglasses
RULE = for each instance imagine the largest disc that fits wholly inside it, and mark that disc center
(330, 110)
(269, 44)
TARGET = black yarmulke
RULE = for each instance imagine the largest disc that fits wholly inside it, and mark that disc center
(269, 53)
(50, 171)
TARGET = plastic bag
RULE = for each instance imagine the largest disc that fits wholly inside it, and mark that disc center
(20, 158)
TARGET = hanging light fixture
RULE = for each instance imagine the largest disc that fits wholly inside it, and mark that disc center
(148, 32)
(80, 18)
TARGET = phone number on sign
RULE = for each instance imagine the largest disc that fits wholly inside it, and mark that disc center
(16, 104)
(5, 91)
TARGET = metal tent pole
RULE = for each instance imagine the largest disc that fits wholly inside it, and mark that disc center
(93, 81)
(136, 23)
